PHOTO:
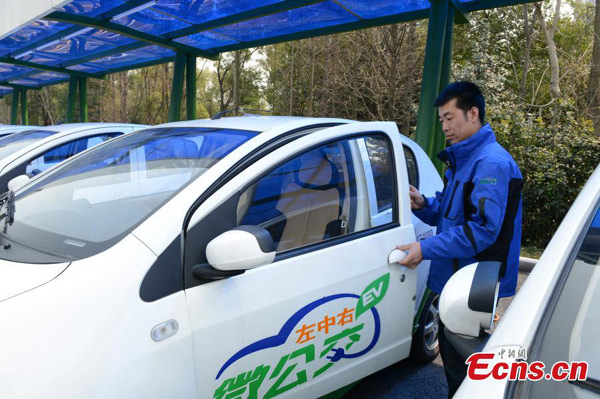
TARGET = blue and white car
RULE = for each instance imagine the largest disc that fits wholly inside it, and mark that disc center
(238, 257)
(32, 151)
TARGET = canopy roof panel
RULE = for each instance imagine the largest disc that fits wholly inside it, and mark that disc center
(93, 38)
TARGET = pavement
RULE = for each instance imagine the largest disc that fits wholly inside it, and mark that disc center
(408, 380)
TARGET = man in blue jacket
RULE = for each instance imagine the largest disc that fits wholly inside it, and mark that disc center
(478, 213)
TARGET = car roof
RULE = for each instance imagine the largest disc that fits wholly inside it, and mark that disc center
(16, 128)
(255, 123)
(69, 127)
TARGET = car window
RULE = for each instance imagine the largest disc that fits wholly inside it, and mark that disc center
(66, 151)
(321, 194)
(574, 323)
(16, 141)
(411, 166)
(95, 199)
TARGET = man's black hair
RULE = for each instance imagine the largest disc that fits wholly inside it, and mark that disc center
(467, 94)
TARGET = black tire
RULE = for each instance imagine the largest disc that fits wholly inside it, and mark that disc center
(425, 345)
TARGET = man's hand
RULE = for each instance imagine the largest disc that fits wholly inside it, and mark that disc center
(414, 255)
(416, 199)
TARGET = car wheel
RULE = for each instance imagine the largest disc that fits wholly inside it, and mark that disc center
(425, 345)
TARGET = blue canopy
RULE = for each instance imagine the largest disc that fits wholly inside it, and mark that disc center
(92, 38)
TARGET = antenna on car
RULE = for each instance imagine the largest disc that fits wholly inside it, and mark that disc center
(243, 111)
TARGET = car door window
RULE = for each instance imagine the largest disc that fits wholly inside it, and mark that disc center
(322, 193)
(411, 167)
(573, 324)
(66, 151)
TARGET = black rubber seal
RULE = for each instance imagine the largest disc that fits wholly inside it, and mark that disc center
(483, 289)
(265, 241)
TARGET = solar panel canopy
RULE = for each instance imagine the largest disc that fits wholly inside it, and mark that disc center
(93, 38)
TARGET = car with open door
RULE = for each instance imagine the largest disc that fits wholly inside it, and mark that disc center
(553, 322)
(237, 257)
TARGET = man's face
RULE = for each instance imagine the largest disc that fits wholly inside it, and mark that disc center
(456, 125)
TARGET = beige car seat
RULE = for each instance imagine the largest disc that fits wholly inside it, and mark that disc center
(311, 203)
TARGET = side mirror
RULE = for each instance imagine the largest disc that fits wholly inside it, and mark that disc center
(242, 248)
(468, 301)
(17, 182)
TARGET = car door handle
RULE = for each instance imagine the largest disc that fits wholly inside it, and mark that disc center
(396, 256)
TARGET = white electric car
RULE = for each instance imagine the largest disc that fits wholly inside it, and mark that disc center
(33, 151)
(241, 257)
(555, 317)
(6, 130)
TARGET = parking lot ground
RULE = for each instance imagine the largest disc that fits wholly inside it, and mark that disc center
(407, 380)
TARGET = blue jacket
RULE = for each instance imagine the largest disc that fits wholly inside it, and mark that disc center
(478, 213)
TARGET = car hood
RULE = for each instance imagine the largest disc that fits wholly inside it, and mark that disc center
(17, 278)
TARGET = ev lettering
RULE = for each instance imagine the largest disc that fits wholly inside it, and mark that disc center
(325, 333)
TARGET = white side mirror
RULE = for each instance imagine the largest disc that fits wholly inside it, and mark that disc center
(17, 182)
(468, 300)
(242, 248)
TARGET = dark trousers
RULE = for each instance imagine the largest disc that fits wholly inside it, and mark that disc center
(455, 367)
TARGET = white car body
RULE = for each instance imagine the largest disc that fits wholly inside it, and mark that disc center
(529, 321)
(6, 130)
(68, 139)
(110, 325)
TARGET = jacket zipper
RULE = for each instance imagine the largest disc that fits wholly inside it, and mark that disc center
(451, 199)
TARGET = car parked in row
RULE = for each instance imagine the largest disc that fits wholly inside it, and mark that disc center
(244, 256)
(30, 152)
(6, 130)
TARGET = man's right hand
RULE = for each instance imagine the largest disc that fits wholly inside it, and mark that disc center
(416, 199)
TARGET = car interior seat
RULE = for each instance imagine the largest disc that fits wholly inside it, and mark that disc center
(311, 203)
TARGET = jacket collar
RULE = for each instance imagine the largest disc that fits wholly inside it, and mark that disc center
(465, 148)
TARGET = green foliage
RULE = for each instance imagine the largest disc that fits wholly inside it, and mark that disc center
(554, 166)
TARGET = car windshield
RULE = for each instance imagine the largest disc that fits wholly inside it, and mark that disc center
(86, 205)
(16, 141)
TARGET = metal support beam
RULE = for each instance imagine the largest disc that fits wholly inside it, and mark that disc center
(177, 90)
(427, 119)
(190, 87)
(123, 30)
(461, 15)
(83, 100)
(439, 138)
(43, 67)
(71, 100)
(15, 86)
(24, 110)
(14, 108)
(257, 12)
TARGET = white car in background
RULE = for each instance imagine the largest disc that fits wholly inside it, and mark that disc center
(555, 317)
(6, 130)
(32, 151)
(239, 257)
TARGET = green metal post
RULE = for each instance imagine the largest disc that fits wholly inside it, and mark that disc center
(439, 142)
(71, 99)
(14, 109)
(177, 90)
(24, 110)
(190, 87)
(83, 100)
(427, 118)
